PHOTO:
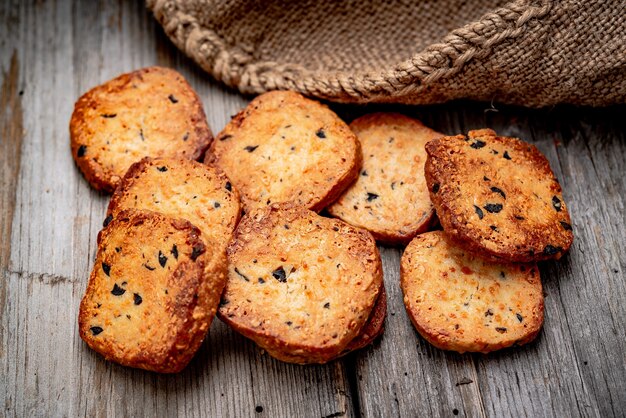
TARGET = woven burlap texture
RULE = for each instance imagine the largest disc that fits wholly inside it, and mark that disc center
(532, 53)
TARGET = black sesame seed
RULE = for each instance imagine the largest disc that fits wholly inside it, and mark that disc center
(280, 275)
(556, 202)
(162, 259)
(137, 299)
(225, 137)
(106, 268)
(493, 227)
(479, 212)
(216, 205)
(149, 267)
(493, 207)
(502, 275)
(118, 249)
(251, 148)
(107, 221)
(519, 218)
(486, 178)
(196, 252)
(186, 136)
(117, 291)
(261, 280)
(435, 188)
(108, 115)
(96, 330)
(289, 323)
(81, 151)
(566, 226)
(371, 196)
(327, 305)
(519, 317)
(174, 251)
(162, 169)
(335, 228)
(228, 186)
(240, 274)
(499, 191)
(172, 98)
(478, 144)
(506, 155)
(551, 250)
(364, 173)
(320, 133)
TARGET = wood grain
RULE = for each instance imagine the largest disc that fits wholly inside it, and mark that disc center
(52, 51)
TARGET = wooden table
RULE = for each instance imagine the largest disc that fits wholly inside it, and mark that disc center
(53, 51)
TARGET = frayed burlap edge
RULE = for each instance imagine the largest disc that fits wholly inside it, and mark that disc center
(422, 79)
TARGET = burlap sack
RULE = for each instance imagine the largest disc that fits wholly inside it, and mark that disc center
(533, 53)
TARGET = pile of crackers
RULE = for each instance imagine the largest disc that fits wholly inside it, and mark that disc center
(272, 225)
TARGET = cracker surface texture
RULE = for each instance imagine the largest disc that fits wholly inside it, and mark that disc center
(286, 148)
(300, 285)
(152, 293)
(390, 197)
(181, 188)
(497, 197)
(460, 302)
(152, 112)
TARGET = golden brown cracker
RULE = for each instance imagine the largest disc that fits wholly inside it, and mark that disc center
(300, 285)
(152, 112)
(390, 197)
(286, 148)
(181, 188)
(461, 302)
(497, 196)
(152, 293)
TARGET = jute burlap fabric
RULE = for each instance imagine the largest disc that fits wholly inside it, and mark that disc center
(533, 53)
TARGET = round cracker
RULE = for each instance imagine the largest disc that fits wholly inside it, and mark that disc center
(390, 197)
(285, 148)
(497, 196)
(300, 285)
(181, 188)
(152, 112)
(152, 293)
(460, 302)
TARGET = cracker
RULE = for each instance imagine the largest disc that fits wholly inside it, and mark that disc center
(181, 188)
(152, 293)
(390, 197)
(300, 285)
(460, 302)
(285, 148)
(152, 112)
(374, 326)
(497, 196)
